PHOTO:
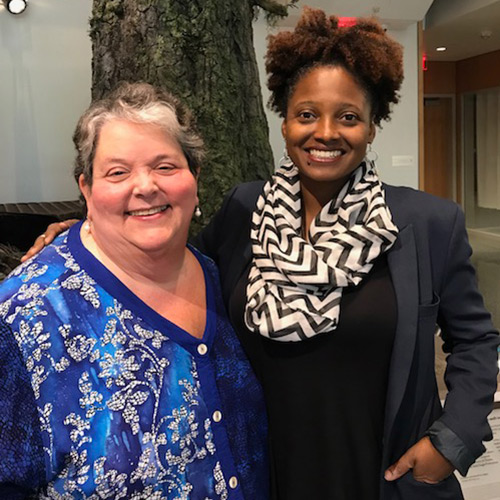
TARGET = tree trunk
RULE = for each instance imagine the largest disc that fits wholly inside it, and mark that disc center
(202, 51)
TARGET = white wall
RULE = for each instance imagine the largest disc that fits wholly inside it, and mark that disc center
(399, 137)
(45, 78)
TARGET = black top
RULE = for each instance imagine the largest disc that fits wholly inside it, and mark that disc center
(326, 396)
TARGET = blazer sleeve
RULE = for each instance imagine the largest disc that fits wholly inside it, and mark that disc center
(21, 450)
(471, 371)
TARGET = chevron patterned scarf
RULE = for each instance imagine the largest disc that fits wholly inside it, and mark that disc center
(295, 285)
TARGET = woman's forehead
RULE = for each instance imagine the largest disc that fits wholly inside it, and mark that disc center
(329, 84)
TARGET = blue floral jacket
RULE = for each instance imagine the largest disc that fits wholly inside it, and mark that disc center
(101, 397)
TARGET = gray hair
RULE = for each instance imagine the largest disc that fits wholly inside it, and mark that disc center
(138, 103)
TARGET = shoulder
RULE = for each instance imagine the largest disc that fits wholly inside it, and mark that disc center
(244, 196)
(36, 277)
(414, 199)
(411, 206)
(237, 207)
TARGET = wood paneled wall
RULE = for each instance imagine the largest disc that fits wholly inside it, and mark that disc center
(478, 73)
(456, 78)
(468, 75)
(440, 78)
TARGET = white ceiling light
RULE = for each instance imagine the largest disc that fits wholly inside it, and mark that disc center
(440, 49)
(15, 6)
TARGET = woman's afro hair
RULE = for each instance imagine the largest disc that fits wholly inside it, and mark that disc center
(373, 58)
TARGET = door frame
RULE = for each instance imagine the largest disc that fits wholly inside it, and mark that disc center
(453, 143)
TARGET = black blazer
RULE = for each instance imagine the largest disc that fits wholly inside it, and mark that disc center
(435, 283)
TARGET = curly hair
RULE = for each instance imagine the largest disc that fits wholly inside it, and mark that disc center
(373, 58)
(138, 103)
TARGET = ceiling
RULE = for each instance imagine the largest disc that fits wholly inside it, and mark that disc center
(394, 13)
(465, 27)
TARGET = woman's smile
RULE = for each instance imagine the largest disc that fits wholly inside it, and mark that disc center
(324, 155)
(148, 211)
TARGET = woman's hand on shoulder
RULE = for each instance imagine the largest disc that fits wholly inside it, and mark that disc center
(48, 237)
(427, 464)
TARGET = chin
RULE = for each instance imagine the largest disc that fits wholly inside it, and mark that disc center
(153, 246)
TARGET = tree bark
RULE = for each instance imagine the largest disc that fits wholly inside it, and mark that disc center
(202, 51)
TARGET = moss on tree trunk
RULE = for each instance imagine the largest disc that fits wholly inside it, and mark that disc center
(202, 51)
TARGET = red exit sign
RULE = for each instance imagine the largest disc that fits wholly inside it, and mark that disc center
(345, 22)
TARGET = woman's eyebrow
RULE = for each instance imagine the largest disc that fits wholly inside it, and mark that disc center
(153, 160)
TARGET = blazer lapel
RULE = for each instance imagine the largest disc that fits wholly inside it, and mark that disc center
(402, 259)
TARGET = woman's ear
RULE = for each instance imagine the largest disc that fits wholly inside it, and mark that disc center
(197, 178)
(372, 133)
(283, 129)
(85, 190)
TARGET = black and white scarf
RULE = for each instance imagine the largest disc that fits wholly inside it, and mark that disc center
(295, 285)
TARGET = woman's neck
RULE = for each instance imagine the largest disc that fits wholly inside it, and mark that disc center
(135, 267)
(314, 197)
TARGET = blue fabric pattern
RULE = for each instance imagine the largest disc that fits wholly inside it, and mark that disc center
(21, 449)
(126, 400)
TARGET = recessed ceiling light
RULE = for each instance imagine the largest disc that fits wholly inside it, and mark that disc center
(440, 49)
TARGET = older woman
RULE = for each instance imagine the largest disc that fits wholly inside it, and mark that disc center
(335, 282)
(121, 375)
